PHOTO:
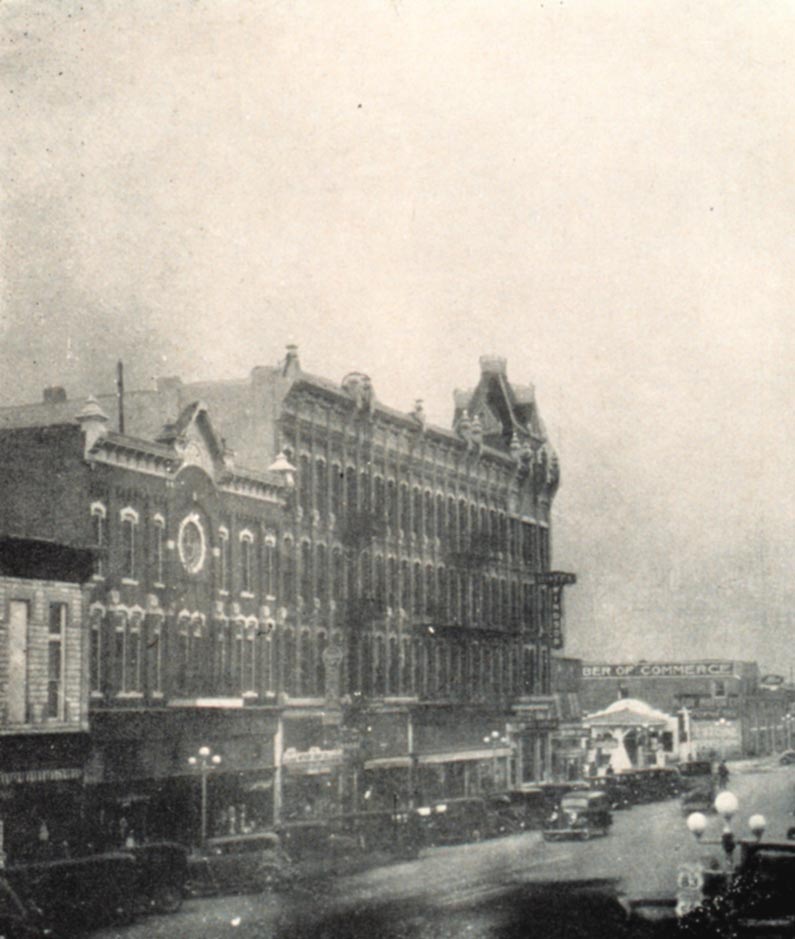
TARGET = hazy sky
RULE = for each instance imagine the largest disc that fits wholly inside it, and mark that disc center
(604, 192)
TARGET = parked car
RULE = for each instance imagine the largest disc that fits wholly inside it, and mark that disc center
(239, 864)
(698, 786)
(455, 821)
(18, 921)
(580, 816)
(392, 832)
(787, 758)
(617, 788)
(533, 805)
(317, 839)
(162, 873)
(78, 894)
(508, 816)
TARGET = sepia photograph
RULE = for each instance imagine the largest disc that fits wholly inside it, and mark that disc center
(396, 469)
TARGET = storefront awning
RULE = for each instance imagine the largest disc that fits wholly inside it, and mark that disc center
(459, 756)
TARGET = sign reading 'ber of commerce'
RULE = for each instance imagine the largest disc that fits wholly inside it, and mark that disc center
(661, 670)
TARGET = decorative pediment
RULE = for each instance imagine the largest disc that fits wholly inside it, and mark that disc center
(195, 440)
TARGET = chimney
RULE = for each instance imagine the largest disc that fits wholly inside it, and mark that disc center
(291, 363)
(493, 365)
(93, 422)
(55, 394)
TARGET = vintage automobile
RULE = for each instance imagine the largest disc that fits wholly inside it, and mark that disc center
(162, 873)
(508, 815)
(395, 833)
(532, 805)
(75, 895)
(618, 789)
(698, 786)
(580, 816)
(239, 864)
(459, 820)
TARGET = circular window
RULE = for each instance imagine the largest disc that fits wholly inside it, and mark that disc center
(192, 544)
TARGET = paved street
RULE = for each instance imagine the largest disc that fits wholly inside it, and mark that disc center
(470, 890)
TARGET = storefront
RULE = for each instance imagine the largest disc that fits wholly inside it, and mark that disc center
(41, 794)
(142, 782)
(713, 733)
(531, 729)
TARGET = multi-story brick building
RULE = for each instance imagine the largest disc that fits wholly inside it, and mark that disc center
(397, 606)
(43, 695)
(181, 613)
(419, 556)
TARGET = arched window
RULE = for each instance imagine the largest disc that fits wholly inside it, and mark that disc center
(476, 599)
(452, 522)
(441, 594)
(407, 672)
(405, 585)
(379, 657)
(353, 665)
(393, 673)
(336, 489)
(183, 653)
(249, 683)
(442, 671)
(380, 583)
(238, 630)
(367, 576)
(417, 588)
(305, 485)
(129, 559)
(306, 572)
(154, 653)
(441, 520)
(158, 543)
(266, 660)
(419, 668)
(246, 562)
(132, 681)
(463, 583)
(351, 493)
(456, 677)
(391, 583)
(321, 573)
(321, 488)
(350, 575)
(320, 664)
(96, 618)
(379, 506)
(288, 571)
(367, 665)
(365, 494)
(222, 654)
(306, 669)
(100, 536)
(463, 524)
(455, 596)
(428, 514)
(337, 583)
(290, 677)
(528, 676)
(430, 583)
(391, 504)
(269, 566)
(223, 560)
(416, 521)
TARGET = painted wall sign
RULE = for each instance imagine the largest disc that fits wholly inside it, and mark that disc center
(661, 670)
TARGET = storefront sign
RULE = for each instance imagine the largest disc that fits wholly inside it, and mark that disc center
(555, 579)
(313, 760)
(39, 776)
(661, 670)
(557, 617)
(712, 714)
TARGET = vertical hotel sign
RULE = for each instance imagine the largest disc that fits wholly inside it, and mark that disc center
(554, 582)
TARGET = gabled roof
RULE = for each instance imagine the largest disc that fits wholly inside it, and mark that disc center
(627, 712)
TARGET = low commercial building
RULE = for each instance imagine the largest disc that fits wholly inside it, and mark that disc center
(721, 707)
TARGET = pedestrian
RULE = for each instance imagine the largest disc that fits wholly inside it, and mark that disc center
(723, 775)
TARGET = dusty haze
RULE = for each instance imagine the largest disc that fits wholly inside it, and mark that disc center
(601, 191)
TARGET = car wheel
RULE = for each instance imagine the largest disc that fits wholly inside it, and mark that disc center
(167, 899)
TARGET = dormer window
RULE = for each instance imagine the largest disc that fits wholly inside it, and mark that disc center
(129, 560)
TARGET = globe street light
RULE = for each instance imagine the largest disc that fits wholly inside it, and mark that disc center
(205, 761)
(726, 805)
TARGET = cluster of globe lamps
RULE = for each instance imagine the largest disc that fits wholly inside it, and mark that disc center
(726, 805)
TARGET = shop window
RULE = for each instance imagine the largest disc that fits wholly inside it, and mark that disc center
(223, 560)
(99, 528)
(129, 526)
(55, 660)
(246, 562)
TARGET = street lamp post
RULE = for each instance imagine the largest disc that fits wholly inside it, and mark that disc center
(726, 805)
(205, 761)
(493, 740)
